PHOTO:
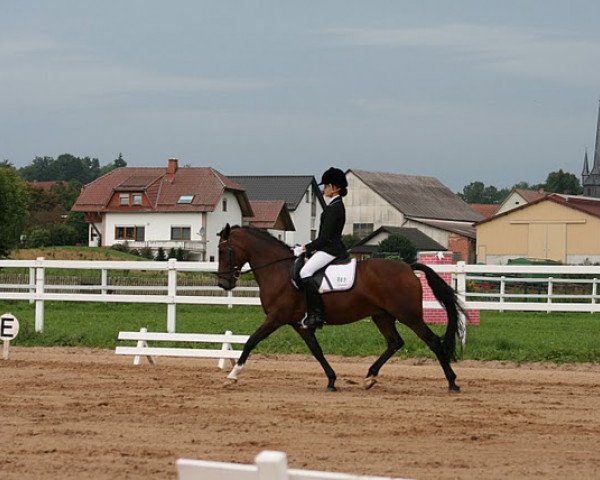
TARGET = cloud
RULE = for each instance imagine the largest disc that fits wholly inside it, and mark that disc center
(39, 71)
(522, 52)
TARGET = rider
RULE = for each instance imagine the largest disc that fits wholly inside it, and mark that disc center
(326, 247)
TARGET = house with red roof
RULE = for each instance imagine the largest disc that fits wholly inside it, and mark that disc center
(562, 228)
(168, 207)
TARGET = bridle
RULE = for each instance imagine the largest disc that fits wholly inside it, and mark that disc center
(236, 270)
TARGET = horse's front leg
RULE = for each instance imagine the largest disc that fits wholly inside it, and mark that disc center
(266, 329)
(308, 335)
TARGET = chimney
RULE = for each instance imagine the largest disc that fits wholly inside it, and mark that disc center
(172, 166)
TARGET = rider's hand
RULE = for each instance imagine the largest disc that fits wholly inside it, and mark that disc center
(298, 250)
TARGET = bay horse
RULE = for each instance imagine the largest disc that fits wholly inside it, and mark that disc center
(386, 290)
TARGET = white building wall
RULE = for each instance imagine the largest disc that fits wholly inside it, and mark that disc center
(157, 225)
(217, 220)
(514, 200)
(363, 205)
(440, 236)
(304, 221)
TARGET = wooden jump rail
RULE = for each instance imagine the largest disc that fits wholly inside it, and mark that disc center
(142, 349)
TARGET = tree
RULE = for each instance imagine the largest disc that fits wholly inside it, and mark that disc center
(66, 167)
(398, 246)
(563, 182)
(160, 255)
(350, 240)
(119, 162)
(13, 208)
(477, 192)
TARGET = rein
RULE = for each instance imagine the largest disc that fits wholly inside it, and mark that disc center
(236, 270)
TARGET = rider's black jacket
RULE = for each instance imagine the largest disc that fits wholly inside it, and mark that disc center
(329, 239)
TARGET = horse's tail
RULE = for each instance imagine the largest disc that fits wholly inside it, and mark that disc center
(446, 295)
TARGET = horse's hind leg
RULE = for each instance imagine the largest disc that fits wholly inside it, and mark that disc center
(313, 344)
(386, 324)
(435, 344)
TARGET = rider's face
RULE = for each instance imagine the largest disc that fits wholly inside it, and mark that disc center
(330, 190)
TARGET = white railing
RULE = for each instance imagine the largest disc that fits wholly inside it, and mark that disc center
(580, 294)
(268, 465)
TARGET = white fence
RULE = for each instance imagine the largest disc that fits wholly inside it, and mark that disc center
(269, 465)
(482, 287)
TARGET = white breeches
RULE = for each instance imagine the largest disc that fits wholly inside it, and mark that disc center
(317, 261)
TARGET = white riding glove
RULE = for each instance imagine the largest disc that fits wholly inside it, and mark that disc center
(298, 250)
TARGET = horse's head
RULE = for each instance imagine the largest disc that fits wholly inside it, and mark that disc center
(230, 263)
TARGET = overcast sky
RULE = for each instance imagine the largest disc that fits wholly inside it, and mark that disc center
(497, 91)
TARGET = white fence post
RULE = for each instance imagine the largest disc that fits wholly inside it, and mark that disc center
(502, 290)
(172, 293)
(39, 292)
(549, 309)
(461, 292)
(594, 291)
(32, 284)
(272, 465)
(104, 275)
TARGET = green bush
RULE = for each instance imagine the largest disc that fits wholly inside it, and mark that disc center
(398, 246)
(61, 234)
(38, 238)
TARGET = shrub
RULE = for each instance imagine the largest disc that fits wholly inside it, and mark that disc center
(61, 234)
(398, 246)
(38, 238)
(146, 252)
(160, 255)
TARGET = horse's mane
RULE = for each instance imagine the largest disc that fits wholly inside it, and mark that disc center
(257, 232)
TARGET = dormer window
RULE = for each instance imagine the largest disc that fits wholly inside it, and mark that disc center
(185, 199)
(123, 199)
(137, 198)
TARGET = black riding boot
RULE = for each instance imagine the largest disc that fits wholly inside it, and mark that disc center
(315, 314)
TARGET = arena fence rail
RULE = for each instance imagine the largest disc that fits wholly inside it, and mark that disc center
(545, 288)
(269, 465)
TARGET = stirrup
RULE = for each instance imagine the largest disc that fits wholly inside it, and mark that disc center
(312, 321)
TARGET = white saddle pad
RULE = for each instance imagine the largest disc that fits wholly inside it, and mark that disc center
(339, 277)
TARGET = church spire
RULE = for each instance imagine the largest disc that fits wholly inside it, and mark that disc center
(596, 166)
(591, 180)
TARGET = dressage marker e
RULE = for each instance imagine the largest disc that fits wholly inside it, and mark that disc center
(143, 337)
(386, 290)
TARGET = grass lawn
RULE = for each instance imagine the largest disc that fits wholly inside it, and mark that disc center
(510, 336)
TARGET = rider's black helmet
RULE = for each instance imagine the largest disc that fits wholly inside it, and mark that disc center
(334, 176)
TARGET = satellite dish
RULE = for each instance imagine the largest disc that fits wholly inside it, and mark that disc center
(201, 232)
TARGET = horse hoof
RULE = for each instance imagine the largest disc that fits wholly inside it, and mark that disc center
(331, 389)
(230, 382)
(454, 389)
(369, 382)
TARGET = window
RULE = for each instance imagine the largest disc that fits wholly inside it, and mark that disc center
(135, 233)
(224, 204)
(137, 198)
(313, 234)
(123, 199)
(307, 197)
(185, 199)
(212, 258)
(181, 233)
(361, 230)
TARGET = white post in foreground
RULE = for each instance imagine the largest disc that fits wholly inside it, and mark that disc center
(272, 465)
(461, 293)
(171, 292)
(39, 291)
